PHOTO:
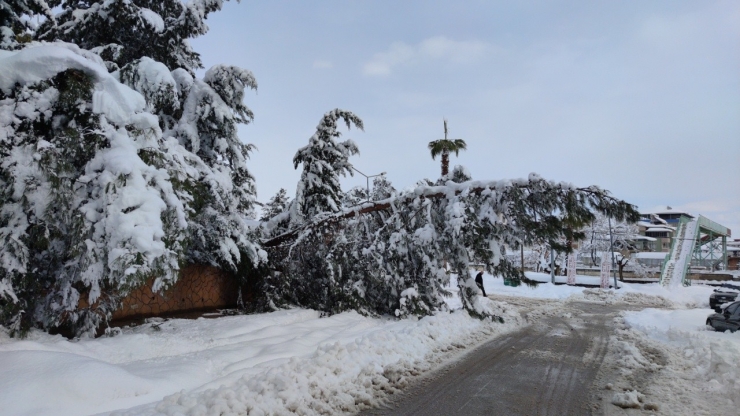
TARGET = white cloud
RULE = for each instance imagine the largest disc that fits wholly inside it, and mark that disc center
(321, 64)
(438, 48)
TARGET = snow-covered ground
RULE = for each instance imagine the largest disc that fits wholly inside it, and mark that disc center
(684, 297)
(699, 368)
(290, 359)
(295, 361)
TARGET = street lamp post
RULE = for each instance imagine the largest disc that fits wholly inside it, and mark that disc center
(367, 178)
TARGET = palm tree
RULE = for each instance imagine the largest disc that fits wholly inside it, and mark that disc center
(444, 147)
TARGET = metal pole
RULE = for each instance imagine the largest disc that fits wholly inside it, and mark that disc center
(367, 180)
(552, 265)
(522, 259)
(611, 250)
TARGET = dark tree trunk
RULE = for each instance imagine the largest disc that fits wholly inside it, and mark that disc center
(445, 163)
(621, 268)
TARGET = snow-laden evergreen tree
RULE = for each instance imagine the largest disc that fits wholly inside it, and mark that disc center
(276, 205)
(88, 210)
(355, 196)
(123, 31)
(275, 218)
(16, 26)
(146, 42)
(173, 147)
(323, 160)
(225, 191)
(382, 188)
(388, 257)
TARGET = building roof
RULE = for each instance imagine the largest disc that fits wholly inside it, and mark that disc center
(668, 213)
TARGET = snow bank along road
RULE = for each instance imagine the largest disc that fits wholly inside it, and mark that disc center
(547, 368)
(657, 356)
(285, 362)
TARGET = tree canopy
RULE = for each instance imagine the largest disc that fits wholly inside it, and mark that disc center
(444, 147)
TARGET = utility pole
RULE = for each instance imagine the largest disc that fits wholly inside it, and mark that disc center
(522, 247)
(611, 250)
(552, 265)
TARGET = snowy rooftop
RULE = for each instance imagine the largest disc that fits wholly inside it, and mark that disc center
(660, 228)
(667, 213)
(649, 255)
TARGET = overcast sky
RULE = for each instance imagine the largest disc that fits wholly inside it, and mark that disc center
(640, 98)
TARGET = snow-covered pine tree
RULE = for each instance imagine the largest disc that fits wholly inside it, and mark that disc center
(382, 188)
(147, 43)
(123, 31)
(276, 205)
(355, 196)
(275, 218)
(323, 160)
(225, 191)
(87, 206)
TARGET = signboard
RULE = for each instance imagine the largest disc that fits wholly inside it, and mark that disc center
(571, 266)
(606, 268)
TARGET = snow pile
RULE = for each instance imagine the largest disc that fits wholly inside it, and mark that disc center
(710, 358)
(337, 378)
(629, 399)
(43, 61)
(289, 361)
(631, 359)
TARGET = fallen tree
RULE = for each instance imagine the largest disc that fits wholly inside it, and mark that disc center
(391, 256)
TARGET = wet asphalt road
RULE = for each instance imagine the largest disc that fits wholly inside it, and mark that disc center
(547, 368)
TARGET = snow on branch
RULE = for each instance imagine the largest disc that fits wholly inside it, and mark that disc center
(533, 189)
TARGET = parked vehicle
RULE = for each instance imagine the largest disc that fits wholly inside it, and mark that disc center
(728, 319)
(725, 293)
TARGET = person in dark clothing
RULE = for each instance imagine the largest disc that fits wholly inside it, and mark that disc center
(479, 282)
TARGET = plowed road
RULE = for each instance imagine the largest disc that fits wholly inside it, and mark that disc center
(547, 368)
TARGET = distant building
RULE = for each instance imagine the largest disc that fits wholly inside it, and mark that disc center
(733, 254)
(661, 226)
(711, 249)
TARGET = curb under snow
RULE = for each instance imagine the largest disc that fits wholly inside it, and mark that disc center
(344, 378)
